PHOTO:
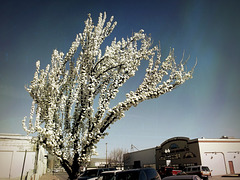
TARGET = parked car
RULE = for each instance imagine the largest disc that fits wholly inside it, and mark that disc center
(132, 174)
(202, 171)
(109, 175)
(168, 171)
(93, 173)
(185, 177)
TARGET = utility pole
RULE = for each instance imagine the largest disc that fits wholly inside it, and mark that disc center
(106, 155)
(23, 163)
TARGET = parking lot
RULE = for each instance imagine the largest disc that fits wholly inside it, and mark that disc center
(225, 178)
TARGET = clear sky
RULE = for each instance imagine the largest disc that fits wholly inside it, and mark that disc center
(209, 30)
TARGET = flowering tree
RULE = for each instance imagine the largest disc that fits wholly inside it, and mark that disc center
(66, 92)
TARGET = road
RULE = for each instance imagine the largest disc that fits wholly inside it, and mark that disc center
(224, 178)
(64, 176)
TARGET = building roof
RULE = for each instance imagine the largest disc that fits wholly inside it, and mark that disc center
(14, 136)
(200, 140)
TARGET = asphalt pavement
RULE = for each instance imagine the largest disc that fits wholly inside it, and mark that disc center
(226, 177)
(64, 176)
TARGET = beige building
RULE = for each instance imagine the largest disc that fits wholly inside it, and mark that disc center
(20, 158)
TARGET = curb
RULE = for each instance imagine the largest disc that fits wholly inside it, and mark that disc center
(231, 175)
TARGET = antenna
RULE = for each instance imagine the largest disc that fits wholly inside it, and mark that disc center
(133, 147)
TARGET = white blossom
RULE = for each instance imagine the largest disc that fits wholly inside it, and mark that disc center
(66, 92)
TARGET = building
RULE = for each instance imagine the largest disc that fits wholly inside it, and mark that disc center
(178, 152)
(97, 162)
(137, 159)
(222, 155)
(20, 159)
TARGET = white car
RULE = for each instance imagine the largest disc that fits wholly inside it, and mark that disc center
(108, 175)
(93, 173)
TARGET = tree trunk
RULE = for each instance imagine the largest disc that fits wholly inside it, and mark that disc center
(75, 167)
(72, 175)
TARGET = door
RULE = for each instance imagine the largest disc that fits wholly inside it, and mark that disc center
(137, 164)
(231, 167)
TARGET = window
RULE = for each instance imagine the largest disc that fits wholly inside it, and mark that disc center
(187, 169)
(195, 169)
(173, 146)
(189, 155)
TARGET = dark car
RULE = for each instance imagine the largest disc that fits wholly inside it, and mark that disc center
(132, 174)
(93, 173)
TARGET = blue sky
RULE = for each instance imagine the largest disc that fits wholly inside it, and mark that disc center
(206, 106)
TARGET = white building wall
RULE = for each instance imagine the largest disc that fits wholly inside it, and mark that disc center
(41, 163)
(13, 149)
(5, 165)
(218, 153)
(17, 163)
(12, 153)
(215, 162)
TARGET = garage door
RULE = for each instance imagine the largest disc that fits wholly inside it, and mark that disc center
(5, 159)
